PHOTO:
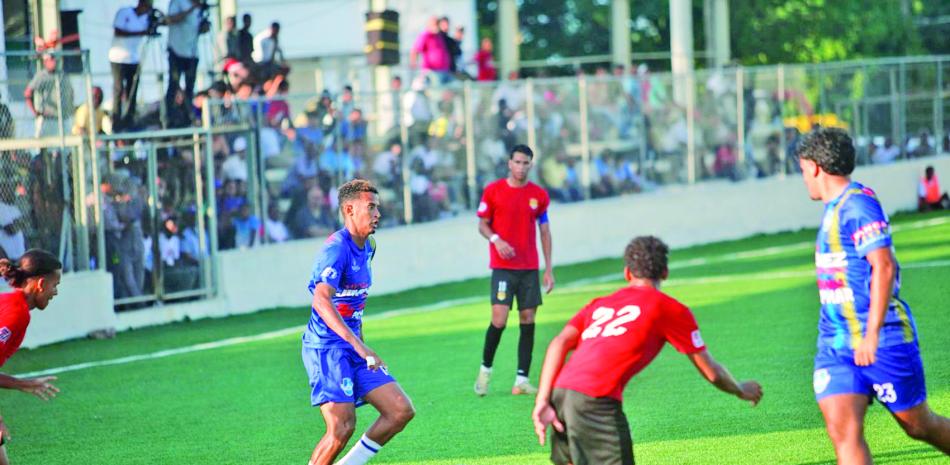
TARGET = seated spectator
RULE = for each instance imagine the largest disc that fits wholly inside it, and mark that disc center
(169, 243)
(929, 195)
(387, 166)
(353, 132)
(232, 199)
(886, 153)
(12, 221)
(313, 219)
(922, 147)
(190, 243)
(339, 164)
(274, 229)
(81, 118)
(247, 228)
(725, 164)
(235, 166)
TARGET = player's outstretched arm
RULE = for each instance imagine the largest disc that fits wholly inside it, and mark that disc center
(719, 376)
(40, 387)
(323, 304)
(544, 414)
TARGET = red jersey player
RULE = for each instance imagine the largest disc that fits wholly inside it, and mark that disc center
(34, 281)
(613, 338)
(509, 210)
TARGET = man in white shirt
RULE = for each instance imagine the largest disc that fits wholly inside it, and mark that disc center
(267, 49)
(131, 26)
(184, 20)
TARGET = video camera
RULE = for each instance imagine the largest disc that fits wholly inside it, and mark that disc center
(155, 18)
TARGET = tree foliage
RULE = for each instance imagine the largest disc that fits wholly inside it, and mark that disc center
(761, 31)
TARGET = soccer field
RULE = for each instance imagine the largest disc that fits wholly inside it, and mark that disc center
(246, 401)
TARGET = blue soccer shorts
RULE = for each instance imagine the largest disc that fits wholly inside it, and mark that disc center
(340, 375)
(895, 379)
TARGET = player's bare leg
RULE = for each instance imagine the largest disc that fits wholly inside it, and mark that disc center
(3, 456)
(844, 420)
(923, 424)
(395, 412)
(340, 418)
(525, 347)
(499, 318)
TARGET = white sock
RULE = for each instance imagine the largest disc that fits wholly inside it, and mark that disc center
(362, 451)
(486, 369)
(520, 379)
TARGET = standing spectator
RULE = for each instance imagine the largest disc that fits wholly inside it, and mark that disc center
(486, 62)
(274, 229)
(49, 96)
(435, 55)
(184, 21)
(353, 132)
(245, 41)
(81, 119)
(346, 100)
(247, 228)
(929, 195)
(452, 46)
(416, 111)
(131, 25)
(227, 44)
(267, 53)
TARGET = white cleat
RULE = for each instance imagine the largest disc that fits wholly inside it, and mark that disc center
(523, 388)
(481, 383)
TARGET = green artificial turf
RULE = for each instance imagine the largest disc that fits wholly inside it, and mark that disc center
(249, 403)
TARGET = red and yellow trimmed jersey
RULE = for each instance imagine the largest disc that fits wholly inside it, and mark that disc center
(14, 318)
(620, 335)
(513, 213)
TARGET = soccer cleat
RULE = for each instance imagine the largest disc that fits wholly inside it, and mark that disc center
(523, 388)
(481, 383)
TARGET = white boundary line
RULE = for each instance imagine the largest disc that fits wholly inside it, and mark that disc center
(575, 287)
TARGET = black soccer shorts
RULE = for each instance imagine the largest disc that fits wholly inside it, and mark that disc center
(596, 431)
(523, 284)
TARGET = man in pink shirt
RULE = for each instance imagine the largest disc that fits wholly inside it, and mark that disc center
(435, 54)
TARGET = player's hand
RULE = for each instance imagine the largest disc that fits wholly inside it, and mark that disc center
(4, 432)
(504, 249)
(750, 391)
(865, 353)
(548, 281)
(543, 416)
(40, 387)
(373, 361)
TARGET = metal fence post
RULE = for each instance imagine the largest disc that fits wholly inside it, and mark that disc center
(783, 155)
(211, 208)
(740, 115)
(585, 137)
(155, 227)
(94, 153)
(529, 114)
(470, 167)
(690, 128)
(938, 108)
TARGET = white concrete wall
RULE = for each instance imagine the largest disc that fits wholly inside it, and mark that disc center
(84, 304)
(451, 250)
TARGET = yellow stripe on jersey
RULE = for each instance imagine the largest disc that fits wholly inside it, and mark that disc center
(905, 319)
(834, 242)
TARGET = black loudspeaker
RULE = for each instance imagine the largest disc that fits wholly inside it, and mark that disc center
(382, 38)
(69, 36)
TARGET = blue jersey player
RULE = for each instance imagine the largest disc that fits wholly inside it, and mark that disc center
(344, 372)
(867, 339)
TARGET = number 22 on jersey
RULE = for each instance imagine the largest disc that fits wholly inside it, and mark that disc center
(609, 322)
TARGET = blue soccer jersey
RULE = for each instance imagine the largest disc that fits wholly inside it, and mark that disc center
(853, 226)
(346, 267)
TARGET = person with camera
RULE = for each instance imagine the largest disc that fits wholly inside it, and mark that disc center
(131, 25)
(185, 22)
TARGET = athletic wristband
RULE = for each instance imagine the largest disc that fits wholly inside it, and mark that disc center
(493, 238)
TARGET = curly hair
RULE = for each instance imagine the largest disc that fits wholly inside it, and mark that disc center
(831, 148)
(34, 262)
(353, 188)
(646, 257)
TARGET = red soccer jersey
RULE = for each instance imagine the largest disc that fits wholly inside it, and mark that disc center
(14, 318)
(513, 213)
(620, 335)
